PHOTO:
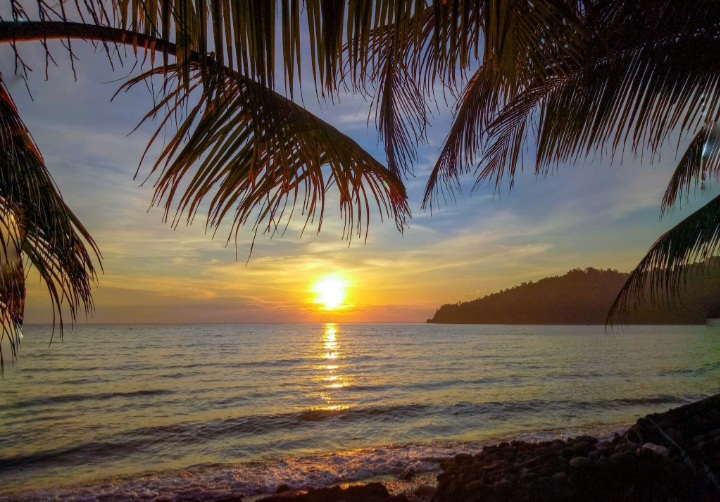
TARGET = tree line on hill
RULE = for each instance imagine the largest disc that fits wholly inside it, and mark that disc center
(585, 297)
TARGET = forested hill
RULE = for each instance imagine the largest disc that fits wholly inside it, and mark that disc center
(583, 297)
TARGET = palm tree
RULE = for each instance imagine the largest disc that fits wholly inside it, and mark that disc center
(564, 77)
(634, 75)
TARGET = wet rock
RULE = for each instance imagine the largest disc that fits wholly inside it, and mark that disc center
(604, 446)
(476, 487)
(580, 462)
(503, 489)
(579, 448)
(656, 449)
(424, 492)
(553, 465)
(622, 457)
(407, 474)
(558, 443)
(624, 447)
(674, 434)
(464, 458)
(559, 477)
(371, 492)
(634, 467)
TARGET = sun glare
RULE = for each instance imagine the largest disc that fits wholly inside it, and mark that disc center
(330, 292)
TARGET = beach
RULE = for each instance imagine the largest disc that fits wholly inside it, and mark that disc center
(207, 412)
(667, 456)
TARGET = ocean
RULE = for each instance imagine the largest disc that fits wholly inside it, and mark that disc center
(134, 411)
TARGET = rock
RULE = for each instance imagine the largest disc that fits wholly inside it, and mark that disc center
(622, 457)
(464, 458)
(559, 477)
(552, 465)
(503, 489)
(475, 487)
(582, 469)
(455, 488)
(407, 474)
(675, 434)
(580, 448)
(580, 462)
(586, 439)
(283, 488)
(424, 492)
(604, 446)
(656, 449)
(624, 447)
(371, 492)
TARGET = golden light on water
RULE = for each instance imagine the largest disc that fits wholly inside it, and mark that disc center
(330, 342)
(331, 291)
(331, 380)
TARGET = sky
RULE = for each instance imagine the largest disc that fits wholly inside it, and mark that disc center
(598, 214)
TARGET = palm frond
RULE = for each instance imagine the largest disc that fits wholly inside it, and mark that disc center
(524, 43)
(12, 285)
(276, 139)
(507, 133)
(37, 224)
(401, 104)
(700, 161)
(256, 154)
(661, 271)
(639, 82)
(464, 141)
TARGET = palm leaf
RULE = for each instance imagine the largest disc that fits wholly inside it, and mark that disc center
(524, 41)
(268, 136)
(255, 153)
(464, 140)
(37, 224)
(635, 88)
(662, 270)
(401, 105)
(700, 160)
(12, 284)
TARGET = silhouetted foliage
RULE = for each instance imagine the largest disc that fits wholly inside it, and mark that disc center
(585, 297)
(559, 79)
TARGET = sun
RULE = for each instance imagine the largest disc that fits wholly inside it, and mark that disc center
(331, 292)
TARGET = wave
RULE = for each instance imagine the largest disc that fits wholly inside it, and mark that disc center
(542, 406)
(169, 436)
(698, 371)
(189, 433)
(74, 398)
(223, 481)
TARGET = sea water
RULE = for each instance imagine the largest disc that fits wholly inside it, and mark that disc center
(134, 411)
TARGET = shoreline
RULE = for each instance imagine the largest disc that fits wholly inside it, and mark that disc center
(674, 455)
(670, 456)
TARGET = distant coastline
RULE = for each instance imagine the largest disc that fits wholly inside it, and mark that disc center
(583, 297)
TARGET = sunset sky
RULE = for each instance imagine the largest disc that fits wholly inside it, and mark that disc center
(595, 214)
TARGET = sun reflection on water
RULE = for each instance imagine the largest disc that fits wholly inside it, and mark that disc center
(331, 380)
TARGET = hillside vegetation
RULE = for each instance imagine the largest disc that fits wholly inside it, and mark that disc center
(585, 297)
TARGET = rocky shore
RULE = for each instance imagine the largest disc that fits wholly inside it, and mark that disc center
(671, 456)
